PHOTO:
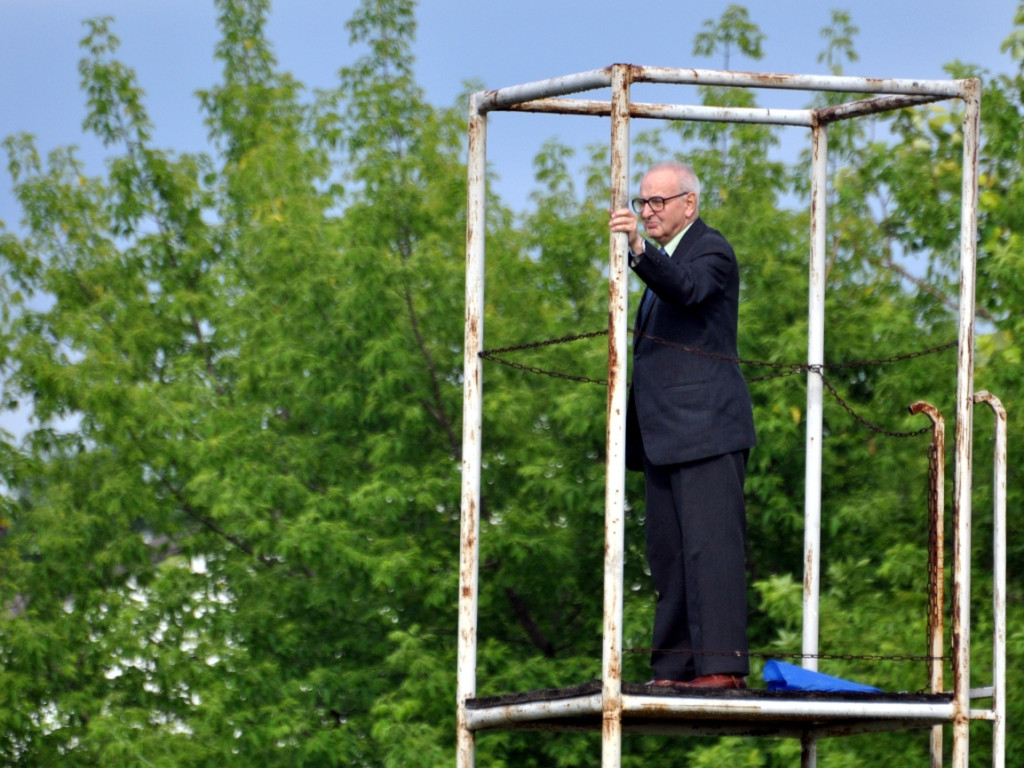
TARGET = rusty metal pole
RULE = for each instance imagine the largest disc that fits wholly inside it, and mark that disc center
(815, 393)
(472, 424)
(936, 565)
(615, 469)
(998, 580)
(964, 420)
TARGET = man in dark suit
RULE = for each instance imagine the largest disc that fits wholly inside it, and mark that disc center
(690, 428)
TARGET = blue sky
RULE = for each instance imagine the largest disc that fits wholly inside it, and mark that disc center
(497, 42)
(500, 43)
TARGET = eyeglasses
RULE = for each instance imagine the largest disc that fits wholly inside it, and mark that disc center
(657, 203)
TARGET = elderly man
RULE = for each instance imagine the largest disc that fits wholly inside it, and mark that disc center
(690, 428)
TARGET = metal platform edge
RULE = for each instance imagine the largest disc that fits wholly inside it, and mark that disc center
(751, 712)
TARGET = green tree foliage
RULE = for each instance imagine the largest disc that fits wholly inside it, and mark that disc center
(229, 546)
(234, 535)
(734, 29)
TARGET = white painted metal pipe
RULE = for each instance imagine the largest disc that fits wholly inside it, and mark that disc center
(615, 453)
(831, 83)
(998, 691)
(815, 393)
(964, 422)
(532, 711)
(472, 439)
(696, 112)
(699, 707)
(872, 106)
(585, 81)
(815, 396)
(754, 708)
(805, 118)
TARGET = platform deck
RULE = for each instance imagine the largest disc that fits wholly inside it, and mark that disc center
(751, 712)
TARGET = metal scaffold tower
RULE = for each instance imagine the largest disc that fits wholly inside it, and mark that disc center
(612, 706)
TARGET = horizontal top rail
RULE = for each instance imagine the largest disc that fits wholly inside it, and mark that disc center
(833, 83)
(508, 98)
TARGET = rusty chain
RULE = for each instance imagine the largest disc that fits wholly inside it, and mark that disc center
(780, 369)
(493, 355)
(935, 566)
(857, 417)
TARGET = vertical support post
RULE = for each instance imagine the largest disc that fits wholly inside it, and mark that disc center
(998, 580)
(472, 442)
(964, 421)
(615, 469)
(936, 565)
(815, 393)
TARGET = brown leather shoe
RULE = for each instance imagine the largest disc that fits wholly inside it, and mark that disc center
(707, 681)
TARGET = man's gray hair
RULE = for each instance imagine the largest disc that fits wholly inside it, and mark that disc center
(688, 180)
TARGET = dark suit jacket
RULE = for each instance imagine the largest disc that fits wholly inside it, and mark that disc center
(683, 405)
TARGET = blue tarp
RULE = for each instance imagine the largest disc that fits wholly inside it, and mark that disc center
(781, 676)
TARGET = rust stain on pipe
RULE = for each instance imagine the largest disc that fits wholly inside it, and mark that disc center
(936, 539)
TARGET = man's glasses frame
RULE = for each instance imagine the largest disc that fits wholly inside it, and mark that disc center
(657, 202)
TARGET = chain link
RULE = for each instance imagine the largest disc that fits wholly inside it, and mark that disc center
(857, 417)
(493, 355)
(780, 370)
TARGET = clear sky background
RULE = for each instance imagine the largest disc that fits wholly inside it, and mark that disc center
(170, 44)
(499, 43)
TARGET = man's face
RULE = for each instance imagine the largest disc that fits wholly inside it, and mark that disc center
(665, 224)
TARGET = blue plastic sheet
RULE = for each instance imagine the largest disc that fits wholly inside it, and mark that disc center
(781, 676)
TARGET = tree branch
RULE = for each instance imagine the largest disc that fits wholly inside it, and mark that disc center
(436, 408)
(528, 624)
(931, 289)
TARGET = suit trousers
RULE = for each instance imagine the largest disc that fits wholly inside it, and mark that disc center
(696, 550)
